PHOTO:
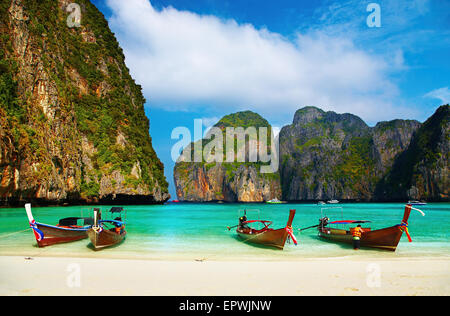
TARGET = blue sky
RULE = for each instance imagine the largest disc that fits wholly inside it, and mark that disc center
(208, 58)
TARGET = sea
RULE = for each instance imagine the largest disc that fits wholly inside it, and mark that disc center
(185, 231)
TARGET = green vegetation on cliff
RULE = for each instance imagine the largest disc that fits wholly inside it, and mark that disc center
(326, 155)
(82, 89)
(243, 119)
(230, 181)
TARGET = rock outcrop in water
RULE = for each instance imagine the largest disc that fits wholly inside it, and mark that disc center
(72, 122)
(230, 182)
(325, 155)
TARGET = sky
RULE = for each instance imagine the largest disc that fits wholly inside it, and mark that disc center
(204, 59)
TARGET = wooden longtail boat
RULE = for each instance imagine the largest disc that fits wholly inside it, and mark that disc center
(266, 236)
(67, 229)
(385, 238)
(418, 203)
(275, 201)
(102, 235)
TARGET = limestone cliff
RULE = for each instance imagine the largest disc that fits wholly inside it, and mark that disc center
(325, 155)
(72, 122)
(422, 171)
(226, 181)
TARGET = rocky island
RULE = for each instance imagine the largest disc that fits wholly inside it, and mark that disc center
(226, 181)
(326, 155)
(72, 122)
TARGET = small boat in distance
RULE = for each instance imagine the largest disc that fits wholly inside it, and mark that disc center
(107, 233)
(418, 203)
(275, 201)
(385, 238)
(68, 229)
(265, 236)
(333, 202)
(321, 203)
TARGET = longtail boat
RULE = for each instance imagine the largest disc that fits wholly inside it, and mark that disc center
(385, 238)
(417, 203)
(67, 230)
(266, 236)
(275, 201)
(107, 233)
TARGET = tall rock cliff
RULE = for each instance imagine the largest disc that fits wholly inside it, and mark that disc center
(226, 181)
(422, 171)
(72, 121)
(325, 155)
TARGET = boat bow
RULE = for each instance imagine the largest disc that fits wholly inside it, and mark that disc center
(404, 224)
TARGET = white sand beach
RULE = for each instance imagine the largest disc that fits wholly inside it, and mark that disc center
(336, 276)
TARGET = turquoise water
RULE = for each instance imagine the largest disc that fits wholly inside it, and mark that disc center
(199, 231)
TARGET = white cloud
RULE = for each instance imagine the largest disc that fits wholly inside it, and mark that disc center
(185, 60)
(442, 94)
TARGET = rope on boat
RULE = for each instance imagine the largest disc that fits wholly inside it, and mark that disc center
(7, 235)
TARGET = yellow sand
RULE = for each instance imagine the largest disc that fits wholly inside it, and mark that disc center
(341, 276)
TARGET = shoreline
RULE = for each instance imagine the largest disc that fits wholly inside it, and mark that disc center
(105, 203)
(159, 276)
(361, 255)
(145, 201)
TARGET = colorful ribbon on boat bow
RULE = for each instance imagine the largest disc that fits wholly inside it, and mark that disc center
(404, 228)
(291, 234)
(38, 234)
(97, 229)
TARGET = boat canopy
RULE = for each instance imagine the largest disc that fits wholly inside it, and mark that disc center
(265, 223)
(73, 221)
(111, 221)
(116, 209)
(348, 222)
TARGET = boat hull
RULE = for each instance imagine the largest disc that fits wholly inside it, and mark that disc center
(271, 238)
(386, 238)
(275, 238)
(57, 235)
(105, 238)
